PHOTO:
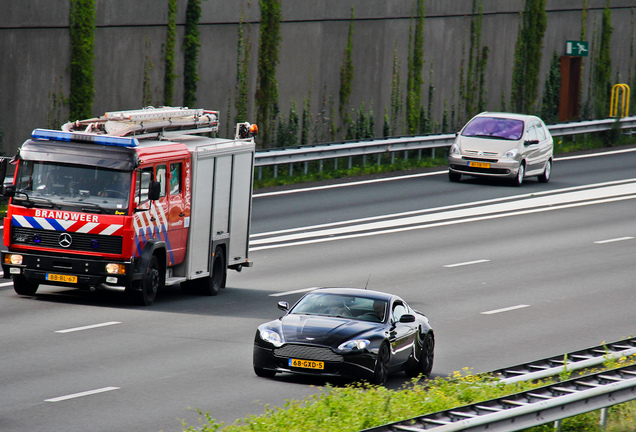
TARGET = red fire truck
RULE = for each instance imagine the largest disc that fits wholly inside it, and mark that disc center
(131, 201)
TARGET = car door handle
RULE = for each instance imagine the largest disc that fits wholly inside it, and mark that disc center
(181, 214)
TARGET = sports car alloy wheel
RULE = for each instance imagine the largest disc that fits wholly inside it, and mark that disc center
(382, 365)
(428, 354)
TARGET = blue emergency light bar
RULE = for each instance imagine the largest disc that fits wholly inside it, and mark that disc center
(54, 135)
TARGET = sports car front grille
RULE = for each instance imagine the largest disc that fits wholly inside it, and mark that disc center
(307, 352)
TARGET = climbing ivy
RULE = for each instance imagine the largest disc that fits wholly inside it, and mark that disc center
(396, 96)
(267, 86)
(527, 57)
(414, 80)
(474, 88)
(346, 71)
(171, 40)
(552, 92)
(242, 73)
(147, 84)
(82, 33)
(603, 66)
(191, 47)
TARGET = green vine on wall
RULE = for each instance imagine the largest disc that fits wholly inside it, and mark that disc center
(346, 72)
(147, 84)
(267, 86)
(552, 92)
(82, 33)
(603, 66)
(191, 47)
(474, 89)
(527, 57)
(242, 75)
(171, 41)
(414, 80)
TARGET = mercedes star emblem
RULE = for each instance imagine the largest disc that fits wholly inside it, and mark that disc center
(65, 240)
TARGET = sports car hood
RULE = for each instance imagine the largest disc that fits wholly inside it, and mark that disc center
(323, 330)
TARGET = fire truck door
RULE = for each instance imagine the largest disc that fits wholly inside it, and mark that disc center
(171, 179)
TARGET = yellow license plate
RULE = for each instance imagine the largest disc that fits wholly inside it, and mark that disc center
(479, 164)
(61, 278)
(307, 364)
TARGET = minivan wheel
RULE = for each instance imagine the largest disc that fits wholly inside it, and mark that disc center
(454, 176)
(545, 176)
(518, 181)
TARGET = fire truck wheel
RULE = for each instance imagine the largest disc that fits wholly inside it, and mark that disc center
(217, 280)
(149, 285)
(23, 287)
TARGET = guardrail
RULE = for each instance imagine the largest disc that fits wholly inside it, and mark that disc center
(275, 157)
(551, 403)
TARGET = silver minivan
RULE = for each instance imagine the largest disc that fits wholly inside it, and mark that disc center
(494, 144)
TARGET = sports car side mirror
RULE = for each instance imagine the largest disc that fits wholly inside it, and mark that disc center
(407, 318)
(284, 306)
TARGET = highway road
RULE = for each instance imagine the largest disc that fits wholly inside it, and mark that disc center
(506, 275)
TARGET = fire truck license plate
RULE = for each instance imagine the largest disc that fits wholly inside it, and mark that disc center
(307, 364)
(61, 278)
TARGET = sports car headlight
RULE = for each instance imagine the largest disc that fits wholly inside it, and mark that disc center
(454, 150)
(510, 154)
(356, 344)
(271, 337)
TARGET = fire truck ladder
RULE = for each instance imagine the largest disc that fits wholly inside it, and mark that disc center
(149, 122)
(530, 408)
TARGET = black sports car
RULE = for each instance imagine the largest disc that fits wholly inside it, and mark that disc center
(345, 332)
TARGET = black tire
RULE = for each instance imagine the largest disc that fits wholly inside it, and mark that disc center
(150, 284)
(547, 172)
(381, 372)
(23, 287)
(454, 176)
(213, 284)
(518, 180)
(264, 373)
(428, 355)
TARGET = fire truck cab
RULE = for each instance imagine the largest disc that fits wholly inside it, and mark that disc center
(131, 201)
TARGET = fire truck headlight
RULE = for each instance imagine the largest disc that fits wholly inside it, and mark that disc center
(114, 268)
(14, 259)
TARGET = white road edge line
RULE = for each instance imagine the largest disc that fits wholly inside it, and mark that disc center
(521, 306)
(613, 240)
(466, 263)
(88, 327)
(86, 393)
(293, 292)
(4, 284)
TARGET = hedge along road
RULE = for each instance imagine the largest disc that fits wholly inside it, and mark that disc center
(499, 291)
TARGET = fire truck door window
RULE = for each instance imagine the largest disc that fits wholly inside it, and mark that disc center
(161, 178)
(175, 178)
(142, 185)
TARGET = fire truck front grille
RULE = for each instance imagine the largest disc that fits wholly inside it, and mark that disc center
(60, 240)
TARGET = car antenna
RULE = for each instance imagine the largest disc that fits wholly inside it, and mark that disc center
(365, 287)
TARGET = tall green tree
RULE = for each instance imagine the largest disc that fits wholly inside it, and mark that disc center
(414, 79)
(191, 47)
(527, 59)
(267, 86)
(171, 41)
(82, 32)
(603, 66)
(346, 72)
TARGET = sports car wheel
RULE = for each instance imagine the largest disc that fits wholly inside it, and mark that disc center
(264, 373)
(381, 372)
(428, 354)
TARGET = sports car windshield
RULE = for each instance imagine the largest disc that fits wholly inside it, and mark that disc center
(345, 306)
(494, 127)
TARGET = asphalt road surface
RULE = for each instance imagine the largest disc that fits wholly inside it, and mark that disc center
(506, 275)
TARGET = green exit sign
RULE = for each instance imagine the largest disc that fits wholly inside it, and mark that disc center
(576, 48)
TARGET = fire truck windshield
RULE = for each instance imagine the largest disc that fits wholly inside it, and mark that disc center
(72, 187)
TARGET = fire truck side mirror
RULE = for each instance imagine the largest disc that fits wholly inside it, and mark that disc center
(4, 163)
(154, 191)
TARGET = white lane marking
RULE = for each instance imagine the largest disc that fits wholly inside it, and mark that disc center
(363, 182)
(4, 284)
(521, 306)
(88, 327)
(293, 292)
(77, 395)
(466, 263)
(534, 205)
(613, 240)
